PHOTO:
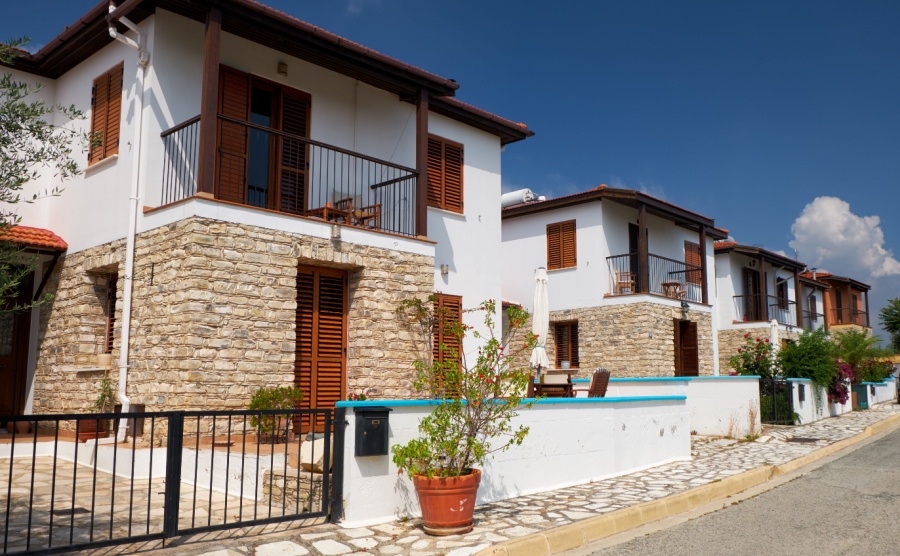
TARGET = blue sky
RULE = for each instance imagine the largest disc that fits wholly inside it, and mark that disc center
(753, 113)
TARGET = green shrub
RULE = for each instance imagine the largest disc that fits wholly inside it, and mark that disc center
(755, 358)
(874, 370)
(811, 357)
(278, 397)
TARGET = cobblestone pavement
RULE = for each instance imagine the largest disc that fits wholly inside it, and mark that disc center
(713, 459)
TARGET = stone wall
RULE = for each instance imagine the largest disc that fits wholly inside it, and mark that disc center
(632, 339)
(213, 316)
(731, 340)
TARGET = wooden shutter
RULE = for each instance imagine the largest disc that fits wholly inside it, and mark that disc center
(447, 310)
(294, 153)
(561, 251)
(567, 344)
(445, 174)
(687, 362)
(813, 306)
(233, 146)
(321, 337)
(106, 114)
(676, 341)
(692, 257)
(111, 313)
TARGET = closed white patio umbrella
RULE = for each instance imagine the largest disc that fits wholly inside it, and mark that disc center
(540, 320)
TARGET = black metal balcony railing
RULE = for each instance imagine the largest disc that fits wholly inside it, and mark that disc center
(749, 308)
(847, 315)
(267, 168)
(813, 320)
(668, 277)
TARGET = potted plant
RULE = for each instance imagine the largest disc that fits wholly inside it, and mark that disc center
(274, 427)
(478, 398)
(106, 399)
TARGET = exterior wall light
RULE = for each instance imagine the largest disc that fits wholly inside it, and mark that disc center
(445, 269)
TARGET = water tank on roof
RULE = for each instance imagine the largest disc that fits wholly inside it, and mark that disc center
(516, 197)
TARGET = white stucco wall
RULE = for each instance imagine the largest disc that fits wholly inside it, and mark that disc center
(807, 410)
(588, 439)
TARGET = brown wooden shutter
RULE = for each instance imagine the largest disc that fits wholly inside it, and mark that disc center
(234, 102)
(687, 361)
(106, 114)
(321, 337)
(445, 174)
(677, 345)
(111, 312)
(448, 310)
(567, 344)
(561, 242)
(294, 153)
(692, 257)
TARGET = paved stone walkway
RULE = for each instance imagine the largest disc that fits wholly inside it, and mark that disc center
(714, 459)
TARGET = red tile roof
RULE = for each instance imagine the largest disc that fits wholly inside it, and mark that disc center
(40, 238)
(724, 244)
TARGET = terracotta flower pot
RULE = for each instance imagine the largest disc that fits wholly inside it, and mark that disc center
(23, 427)
(447, 502)
(88, 430)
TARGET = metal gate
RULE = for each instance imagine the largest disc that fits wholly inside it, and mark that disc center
(65, 484)
(776, 401)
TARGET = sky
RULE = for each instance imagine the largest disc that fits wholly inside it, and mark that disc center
(781, 120)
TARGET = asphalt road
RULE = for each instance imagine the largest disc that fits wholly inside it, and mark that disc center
(848, 506)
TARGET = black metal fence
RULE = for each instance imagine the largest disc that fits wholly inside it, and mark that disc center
(776, 401)
(73, 481)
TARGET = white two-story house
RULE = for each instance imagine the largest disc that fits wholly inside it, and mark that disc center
(259, 196)
(630, 281)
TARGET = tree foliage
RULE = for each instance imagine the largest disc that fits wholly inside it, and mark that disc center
(890, 321)
(812, 356)
(854, 347)
(30, 143)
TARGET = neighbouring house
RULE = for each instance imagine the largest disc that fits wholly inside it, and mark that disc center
(812, 299)
(259, 196)
(846, 304)
(756, 288)
(630, 281)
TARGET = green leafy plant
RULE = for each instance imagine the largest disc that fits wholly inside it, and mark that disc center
(812, 356)
(483, 395)
(890, 321)
(106, 398)
(874, 370)
(277, 397)
(755, 358)
(854, 347)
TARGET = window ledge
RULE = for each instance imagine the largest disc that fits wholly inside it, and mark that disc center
(102, 164)
(79, 369)
(448, 212)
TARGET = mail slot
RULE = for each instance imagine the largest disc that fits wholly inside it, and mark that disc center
(372, 431)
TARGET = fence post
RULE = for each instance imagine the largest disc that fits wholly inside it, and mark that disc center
(173, 475)
(337, 466)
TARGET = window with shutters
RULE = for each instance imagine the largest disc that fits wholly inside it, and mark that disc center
(692, 258)
(255, 166)
(561, 245)
(566, 334)
(321, 337)
(110, 313)
(445, 174)
(106, 115)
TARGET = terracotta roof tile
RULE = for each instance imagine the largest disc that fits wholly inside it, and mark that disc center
(724, 244)
(27, 236)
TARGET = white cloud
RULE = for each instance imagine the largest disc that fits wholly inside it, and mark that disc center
(652, 189)
(356, 7)
(828, 235)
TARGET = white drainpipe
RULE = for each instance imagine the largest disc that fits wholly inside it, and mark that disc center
(143, 59)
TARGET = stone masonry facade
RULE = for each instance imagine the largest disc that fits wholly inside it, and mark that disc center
(213, 317)
(632, 339)
(731, 340)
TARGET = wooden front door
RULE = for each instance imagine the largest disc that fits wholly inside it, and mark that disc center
(687, 360)
(321, 329)
(14, 332)
(752, 300)
(634, 260)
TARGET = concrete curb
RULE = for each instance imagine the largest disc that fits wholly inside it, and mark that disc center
(581, 533)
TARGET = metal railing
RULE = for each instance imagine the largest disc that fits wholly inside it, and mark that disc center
(847, 315)
(268, 168)
(70, 485)
(783, 310)
(667, 277)
(813, 320)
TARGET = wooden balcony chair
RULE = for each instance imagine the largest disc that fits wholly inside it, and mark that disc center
(555, 385)
(599, 384)
(624, 282)
(368, 216)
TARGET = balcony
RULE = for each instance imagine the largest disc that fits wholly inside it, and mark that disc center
(849, 316)
(666, 277)
(261, 167)
(750, 308)
(812, 321)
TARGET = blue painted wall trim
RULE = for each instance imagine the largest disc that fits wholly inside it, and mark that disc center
(545, 401)
(667, 378)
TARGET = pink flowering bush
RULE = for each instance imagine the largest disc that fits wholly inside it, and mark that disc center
(755, 358)
(839, 390)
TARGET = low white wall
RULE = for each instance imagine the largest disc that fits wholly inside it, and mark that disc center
(571, 441)
(885, 391)
(807, 411)
(88, 451)
(718, 405)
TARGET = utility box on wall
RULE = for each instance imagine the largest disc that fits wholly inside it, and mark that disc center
(371, 431)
